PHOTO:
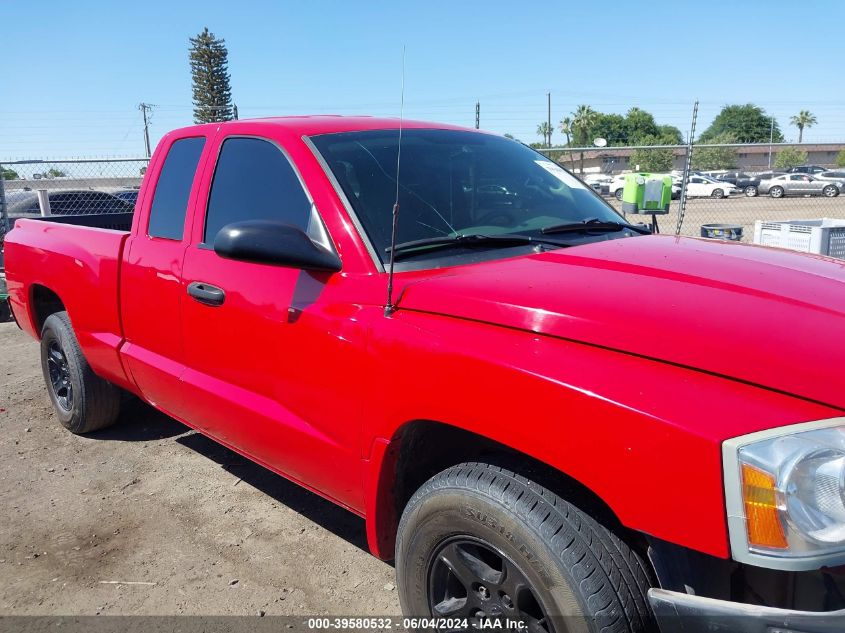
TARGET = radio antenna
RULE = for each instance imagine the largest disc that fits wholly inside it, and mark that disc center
(389, 307)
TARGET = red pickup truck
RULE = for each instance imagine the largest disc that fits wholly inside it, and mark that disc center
(558, 419)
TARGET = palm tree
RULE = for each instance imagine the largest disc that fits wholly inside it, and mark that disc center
(566, 128)
(545, 130)
(583, 120)
(803, 119)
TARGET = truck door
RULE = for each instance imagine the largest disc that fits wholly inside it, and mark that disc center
(265, 374)
(150, 288)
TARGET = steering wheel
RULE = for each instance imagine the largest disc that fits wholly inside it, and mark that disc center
(491, 216)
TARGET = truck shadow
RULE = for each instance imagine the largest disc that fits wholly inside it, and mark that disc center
(140, 422)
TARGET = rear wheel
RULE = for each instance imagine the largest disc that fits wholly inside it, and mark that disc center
(751, 191)
(83, 401)
(618, 194)
(479, 543)
(776, 192)
(830, 191)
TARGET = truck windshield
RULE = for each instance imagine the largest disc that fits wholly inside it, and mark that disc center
(456, 183)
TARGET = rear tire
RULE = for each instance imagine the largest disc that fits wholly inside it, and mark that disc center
(751, 191)
(83, 401)
(481, 540)
(776, 192)
(618, 194)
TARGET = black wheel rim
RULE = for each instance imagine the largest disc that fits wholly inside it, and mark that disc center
(469, 578)
(59, 371)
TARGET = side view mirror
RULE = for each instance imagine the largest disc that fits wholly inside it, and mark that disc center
(271, 242)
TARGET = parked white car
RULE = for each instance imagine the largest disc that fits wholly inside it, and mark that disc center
(597, 181)
(616, 185)
(706, 187)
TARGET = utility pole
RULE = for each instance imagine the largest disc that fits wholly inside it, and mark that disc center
(549, 119)
(477, 114)
(235, 112)
(144, 107)
(771, 139)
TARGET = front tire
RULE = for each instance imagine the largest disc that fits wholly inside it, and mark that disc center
(830, 191)
(718, 194)
(83, 401)
(776, 192)
(751, 191)
(480, 542)
(618, 194)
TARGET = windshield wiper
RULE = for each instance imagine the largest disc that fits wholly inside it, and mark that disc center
(471, 239)
(595, 225)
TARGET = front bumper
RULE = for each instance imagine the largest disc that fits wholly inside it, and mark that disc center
(683, 613)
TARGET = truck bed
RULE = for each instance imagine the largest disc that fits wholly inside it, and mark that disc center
(78, 259)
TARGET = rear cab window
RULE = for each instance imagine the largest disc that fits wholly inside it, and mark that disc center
(173, 188)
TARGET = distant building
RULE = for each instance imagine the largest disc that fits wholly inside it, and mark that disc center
(612, 160)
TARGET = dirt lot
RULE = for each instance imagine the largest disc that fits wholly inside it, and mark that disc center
(149, 501)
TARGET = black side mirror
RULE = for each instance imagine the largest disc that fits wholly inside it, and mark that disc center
(271, 242)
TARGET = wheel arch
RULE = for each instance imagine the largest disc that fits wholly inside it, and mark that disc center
(420, 449)
(43, 302)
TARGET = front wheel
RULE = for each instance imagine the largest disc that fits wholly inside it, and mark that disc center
(618, 194)
(751, 191)
(478, 543)
(83, 401)
(776, 192)
(718, 193)
(830, 191)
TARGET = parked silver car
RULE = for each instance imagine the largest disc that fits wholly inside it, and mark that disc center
(838, 174)
(800, 185)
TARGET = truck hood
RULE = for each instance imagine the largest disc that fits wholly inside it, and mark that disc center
(765, 316)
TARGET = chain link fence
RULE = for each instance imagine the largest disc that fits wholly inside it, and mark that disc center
(31, 188)
(755, 187)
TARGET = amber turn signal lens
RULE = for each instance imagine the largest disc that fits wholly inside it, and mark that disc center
(761, 512)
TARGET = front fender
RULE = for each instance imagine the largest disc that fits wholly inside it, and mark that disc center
(644, 436)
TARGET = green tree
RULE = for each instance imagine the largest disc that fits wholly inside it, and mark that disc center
(670, 135)
(840, 158)
(803, 119)
(566, 129)
(8, 174)
(212, 93)
(545, 130)
(653, 160)
(583, 120)
(54, 173)
(715, 157)
(747, 123)
(790, 157)
(611, 127)
(640, 125)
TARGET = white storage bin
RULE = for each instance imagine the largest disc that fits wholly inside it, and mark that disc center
(824, 237)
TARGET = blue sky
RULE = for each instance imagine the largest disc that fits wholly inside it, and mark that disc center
(74, 72)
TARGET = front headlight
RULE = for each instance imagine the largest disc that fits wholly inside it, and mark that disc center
(785, 495)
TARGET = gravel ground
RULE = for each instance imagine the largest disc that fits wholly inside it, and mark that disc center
(200, 529)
